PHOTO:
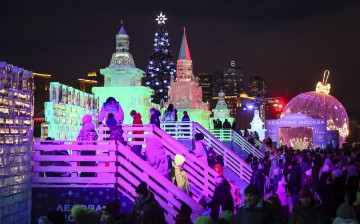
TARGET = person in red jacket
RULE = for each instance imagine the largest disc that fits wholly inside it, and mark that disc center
(137, 149)
(137, 120)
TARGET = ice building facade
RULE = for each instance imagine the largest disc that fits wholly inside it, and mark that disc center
(16, 133)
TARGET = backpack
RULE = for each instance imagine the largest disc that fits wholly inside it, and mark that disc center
(168, 115)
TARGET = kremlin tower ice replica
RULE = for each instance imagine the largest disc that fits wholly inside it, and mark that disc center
(185, 93)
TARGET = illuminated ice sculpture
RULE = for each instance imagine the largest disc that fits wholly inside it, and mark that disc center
(16, 135)
(123, 81)
(318, 104)
(186, 94)
(65, 110)
(221, 111)
(258, 125)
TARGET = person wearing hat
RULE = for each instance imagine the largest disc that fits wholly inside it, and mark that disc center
(337, 192)
(255, 210)
(83, 215)
(258, 178)
(87, 133)
(178, 175)
(111, 106)
(156, 155)
(324, 189)
(308, 210)
(147, 209)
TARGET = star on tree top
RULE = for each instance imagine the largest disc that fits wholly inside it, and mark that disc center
(161, 19)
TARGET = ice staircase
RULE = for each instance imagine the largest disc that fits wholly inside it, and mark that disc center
(243, 144)
(123, 170)
(232, 161)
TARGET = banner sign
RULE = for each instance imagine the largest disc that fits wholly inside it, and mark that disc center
(45, 199)
(298, 120)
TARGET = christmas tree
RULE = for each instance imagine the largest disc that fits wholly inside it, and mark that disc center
(161, 65)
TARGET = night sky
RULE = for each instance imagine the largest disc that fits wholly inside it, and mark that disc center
(288, 43)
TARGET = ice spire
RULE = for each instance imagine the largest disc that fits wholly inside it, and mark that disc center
(184, 49)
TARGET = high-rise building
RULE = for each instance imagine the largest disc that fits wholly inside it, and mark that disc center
(205, 81)
(41, 90)
(257, 87)
(230, 80)
(91, 81)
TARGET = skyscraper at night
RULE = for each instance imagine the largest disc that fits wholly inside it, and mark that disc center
(205, 81)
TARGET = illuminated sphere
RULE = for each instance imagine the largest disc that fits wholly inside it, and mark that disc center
(318, 105)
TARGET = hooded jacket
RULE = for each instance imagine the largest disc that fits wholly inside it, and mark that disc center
(200, 151)
(156, 156)
(179, 177)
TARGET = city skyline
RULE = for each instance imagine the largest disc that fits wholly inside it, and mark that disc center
(288, 45)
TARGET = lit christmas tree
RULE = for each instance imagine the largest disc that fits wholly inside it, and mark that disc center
(161, 65)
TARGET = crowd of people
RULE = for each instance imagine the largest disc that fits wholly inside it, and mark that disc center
(308, 186)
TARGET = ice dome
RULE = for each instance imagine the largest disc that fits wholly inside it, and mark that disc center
(316, 104)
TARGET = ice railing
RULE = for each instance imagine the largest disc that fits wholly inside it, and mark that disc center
(201, 177)
(265, 147)
(124, 170)
(246, 146)
(231, 160)
(178, 130)
(222, 134)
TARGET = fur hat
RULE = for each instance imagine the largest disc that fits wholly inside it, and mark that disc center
(203, 220)
(86, 119)
(345, 211)
(337, 173)
(142, 188)
(252, 189)
(112, 208)
(305, 192)
(228, 216)
(179, 159)
(85, 216)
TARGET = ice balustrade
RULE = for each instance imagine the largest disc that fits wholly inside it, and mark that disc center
(124, 170)
(178, 130)
(231, 160)
(246, 146)
(265, 147)
(222, 134)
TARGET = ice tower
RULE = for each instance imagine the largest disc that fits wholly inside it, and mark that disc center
(186, 94)
(221, 111)
(122, 80)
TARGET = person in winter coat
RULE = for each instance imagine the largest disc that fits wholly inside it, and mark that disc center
(87, 133)
(324, 189)
(275, 174)
(222, 197)
(219, 164)
(156, 156)
(255, 210)
(337, 192)
(155, 117)
(211, 157)
(345, 214)
(116, 131)
(199, 149)
(137, 120)
(282, 193)
(111, 106)
(147, 209)
(352, 182)
(308, 210)
(258, 178)
(185, 117)
(170, 114)
(294, 182)
(178, 175)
